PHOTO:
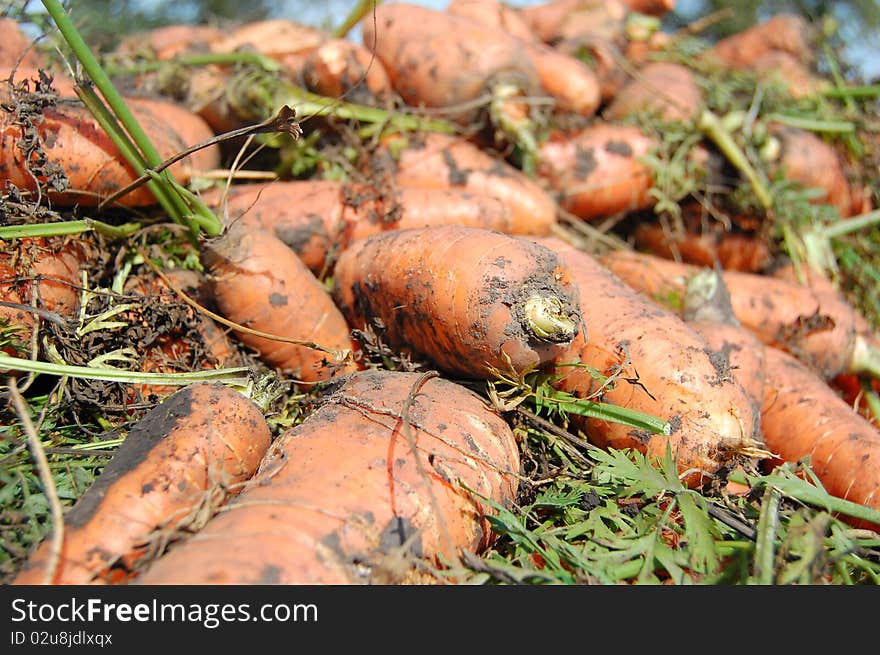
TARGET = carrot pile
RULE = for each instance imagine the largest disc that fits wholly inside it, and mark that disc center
(465, 198)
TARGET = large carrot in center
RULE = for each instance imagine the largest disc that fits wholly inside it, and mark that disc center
(468, 299)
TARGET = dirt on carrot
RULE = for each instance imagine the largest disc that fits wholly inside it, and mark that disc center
(384, 483)
(177, 465)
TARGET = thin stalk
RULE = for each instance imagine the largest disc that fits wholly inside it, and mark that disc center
(232, 376)
(812, 124)
(768, 526)
(172, 203)
(710, 125)
(354, 17)
(207, 59)
(863, 91)
(68, 227)
(255, 96)
(129, 151)
(850, 225)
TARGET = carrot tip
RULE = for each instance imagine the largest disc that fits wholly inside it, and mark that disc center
(547, 320)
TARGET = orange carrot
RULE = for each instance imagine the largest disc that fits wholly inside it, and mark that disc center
(784, 32)
(651, 7)
(666, 89)
(572, 84)
(285, 40)
(733, 251)
(596, 172)
(495, 13)
(387, 477)
(58, 147)
(805, 418)
(166, 42)
(329, 214)
(817, 327)
(446, 161)
(557, 20)
(339, 67)
(467, 299)
(813, 163)
(438, 59)
(736, 351)
(656, 363)
(16, 48)
(259, 282)
(604, 58)
(177, 464)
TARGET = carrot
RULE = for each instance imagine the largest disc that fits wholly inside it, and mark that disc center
(818, 327)
(282, 39)
(651, 7)
(786, 70)
(16, 48)
(440, 60)
(446, 161)
(733, 251)
(40, 274)
(340, 67)
(57, 146)
(813, 163)
(738, 352)
(805, 418)
(557, 20)
(259, 282)
(654, 362)
(782, 33)
(168, 41)
(388, 476)
(604, 57)
(666, 89)
(572, 84)
(596, 172)
(496, 13)
(467, 299)
(177, 464)
(329, 214)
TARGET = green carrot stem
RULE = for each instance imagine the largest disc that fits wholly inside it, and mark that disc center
(850, 225)
(68, 227)
(354, 17)
(710, 125)
(862, 91)
(219, 58)
(172, 205)
(255, 96)
(236, 376)
(170, 201)
(767, 530)
(813, 125)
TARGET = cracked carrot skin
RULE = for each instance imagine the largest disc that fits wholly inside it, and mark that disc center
(465, 298)
(666, 369)
(184, 456)
(260, 283)
(343, 493)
